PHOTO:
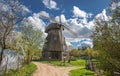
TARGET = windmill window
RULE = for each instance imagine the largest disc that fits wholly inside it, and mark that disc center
(55, 38)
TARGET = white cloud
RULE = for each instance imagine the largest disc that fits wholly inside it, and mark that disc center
(62, 17)
(50, 4)
(25, 9)
(80, 26)
(36, 21)
(85, 43)
(43, 13)
(68, 43)
(80, 13)
(90, 25)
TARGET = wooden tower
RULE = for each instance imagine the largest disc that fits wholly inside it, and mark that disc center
(55, 42)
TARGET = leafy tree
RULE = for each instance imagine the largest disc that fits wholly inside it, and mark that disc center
(75, 53)
(91, 53)
(107, 40)
(32, 41)
(11, 13)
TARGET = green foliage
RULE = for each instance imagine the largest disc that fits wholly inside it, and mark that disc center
(89, 52)
(75, 53)
(81, 72)
(27, 70)
(31, 42)
(107, 41)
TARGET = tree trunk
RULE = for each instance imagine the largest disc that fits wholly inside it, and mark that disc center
(6, 65)
(3, 48)
(18, 63)
(1, 56)
(28, 57)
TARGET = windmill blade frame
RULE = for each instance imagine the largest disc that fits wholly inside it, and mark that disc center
(52, 19)
(66, 26)
(60, 23)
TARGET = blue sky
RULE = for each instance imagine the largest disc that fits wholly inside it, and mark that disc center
(78, 14)
(91, 6)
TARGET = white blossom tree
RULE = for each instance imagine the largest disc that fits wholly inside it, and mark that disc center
(12, 13)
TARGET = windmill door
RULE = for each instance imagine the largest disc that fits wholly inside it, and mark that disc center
(56, 55)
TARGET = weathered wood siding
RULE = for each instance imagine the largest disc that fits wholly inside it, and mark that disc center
(55, 42)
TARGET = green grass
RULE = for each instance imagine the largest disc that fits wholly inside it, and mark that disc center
(79, 62)
(81, 72)
(27, 70)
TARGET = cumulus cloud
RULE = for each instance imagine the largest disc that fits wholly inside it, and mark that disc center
(62, 17)
(36, 21)
(85, 43)
(25, 9)
(43, 13)
(80, 13)
(90, 25)
(50, 4)
(68, 43)
(82, 29)
(79, 23)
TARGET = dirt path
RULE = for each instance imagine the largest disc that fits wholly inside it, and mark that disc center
(49, 70)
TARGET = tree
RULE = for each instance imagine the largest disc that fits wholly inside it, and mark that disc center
(107, 40)
(74, 53)
(32, 39)
(91, 53)
(11, 13)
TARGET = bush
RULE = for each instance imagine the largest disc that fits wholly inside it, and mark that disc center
(27, 70)
(73, 58)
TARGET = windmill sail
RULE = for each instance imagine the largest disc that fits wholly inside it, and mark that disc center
(60, 23)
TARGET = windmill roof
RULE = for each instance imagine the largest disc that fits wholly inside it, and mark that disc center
(52, 26)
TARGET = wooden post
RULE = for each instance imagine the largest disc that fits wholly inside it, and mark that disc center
(49, 59)
(64, 59)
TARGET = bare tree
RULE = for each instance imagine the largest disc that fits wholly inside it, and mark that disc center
(12, 13)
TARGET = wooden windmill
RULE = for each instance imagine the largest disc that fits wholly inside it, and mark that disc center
(55, 44)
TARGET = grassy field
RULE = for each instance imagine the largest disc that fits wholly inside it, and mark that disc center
(72, 63)
(81, 72)
(27, 70)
